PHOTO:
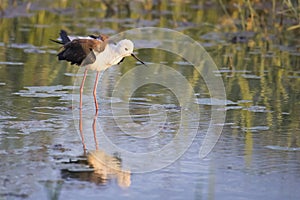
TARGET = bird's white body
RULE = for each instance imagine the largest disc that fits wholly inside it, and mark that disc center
(112, 55)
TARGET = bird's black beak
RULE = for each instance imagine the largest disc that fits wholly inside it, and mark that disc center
(138, 59)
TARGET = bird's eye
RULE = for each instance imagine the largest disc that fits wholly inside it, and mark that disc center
(126, 49)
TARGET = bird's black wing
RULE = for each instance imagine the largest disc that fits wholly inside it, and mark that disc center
(75, 51)
(80, 51)
(89, 59)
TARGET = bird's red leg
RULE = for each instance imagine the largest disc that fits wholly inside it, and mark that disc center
(81, 87)
(95, 90)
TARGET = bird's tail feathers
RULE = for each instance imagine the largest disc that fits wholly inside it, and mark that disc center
(64, 37)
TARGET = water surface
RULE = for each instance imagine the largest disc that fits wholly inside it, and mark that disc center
(256, 157)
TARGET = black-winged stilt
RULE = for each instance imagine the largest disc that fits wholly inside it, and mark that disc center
(95, 53)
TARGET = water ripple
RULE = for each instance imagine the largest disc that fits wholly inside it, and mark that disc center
(281, 148)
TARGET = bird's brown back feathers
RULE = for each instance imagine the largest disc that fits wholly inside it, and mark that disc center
(80, 51)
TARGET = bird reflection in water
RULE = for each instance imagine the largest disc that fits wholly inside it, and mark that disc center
(108, 167)
(103, 167)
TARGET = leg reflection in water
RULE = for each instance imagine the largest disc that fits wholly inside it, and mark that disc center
(81, 131)
(94, 129)
(105, 166)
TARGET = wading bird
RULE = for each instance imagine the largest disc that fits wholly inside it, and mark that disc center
(95, 53)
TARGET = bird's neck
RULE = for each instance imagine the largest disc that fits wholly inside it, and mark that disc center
(115, 54)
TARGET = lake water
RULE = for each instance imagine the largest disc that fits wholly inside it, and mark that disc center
(165, 106)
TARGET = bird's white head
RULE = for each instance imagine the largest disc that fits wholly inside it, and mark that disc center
(125, 47)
